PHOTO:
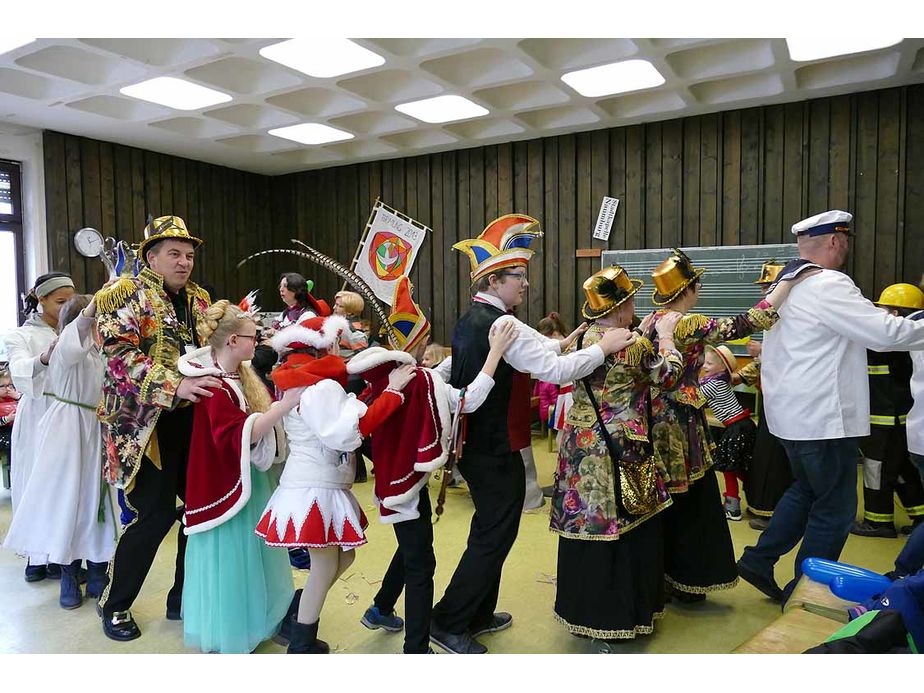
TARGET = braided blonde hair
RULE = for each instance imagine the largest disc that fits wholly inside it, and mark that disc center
(221, 320)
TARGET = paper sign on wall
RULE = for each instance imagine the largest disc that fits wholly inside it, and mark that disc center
(605, 218)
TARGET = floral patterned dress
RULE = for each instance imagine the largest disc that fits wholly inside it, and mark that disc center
(606, 588)
(584, 499)
(679, 429)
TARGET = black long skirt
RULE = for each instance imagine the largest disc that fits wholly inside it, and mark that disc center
(698, 553)
(770, 474)
(612, 590)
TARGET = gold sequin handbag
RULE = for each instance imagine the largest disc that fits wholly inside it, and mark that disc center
(639, 487)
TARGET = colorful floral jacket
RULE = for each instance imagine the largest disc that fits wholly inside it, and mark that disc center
(142, 341)
(695, 331)
(583, 500)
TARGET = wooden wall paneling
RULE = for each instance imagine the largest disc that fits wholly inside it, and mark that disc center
(888, 265)
(56, 224)
(584, 225)
(731, 178)
(794, 141)
(653, 185)
(203, 225)
(328, 214)
(775, 231)
(819, 153)
(477, 164)
(107, 187)
(710, 212)
(410, 174)
(617, 186)
(838, 174)
(427, 282)
(135, 232)
(505, 203)
(750, 226)
(535, 207)
(900, 203)
(166, 183)
(398, 184)
(550, 228)
(179, 188)
(388, 186)
(91, 198)
(914, 189)
(218, 270)
(449, 227)
(491, 211)
(635, 187)
(599, 188)
(437, 257)
(690, 185)
(671, 182)
(519, 162)
(567, 227)
(72, 154)
(459, 266)
(122, 178)
(152, 206)
(864, 221)
(375, 183)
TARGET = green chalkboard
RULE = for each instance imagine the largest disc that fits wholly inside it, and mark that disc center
(727, 286)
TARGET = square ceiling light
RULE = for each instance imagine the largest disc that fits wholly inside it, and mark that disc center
(311, 133)
(802, 49)
(442, 109)
(8, 44)
(614, 78)
(175, 93)
(322, 57)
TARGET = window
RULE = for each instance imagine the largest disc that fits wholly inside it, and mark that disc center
(12, 255)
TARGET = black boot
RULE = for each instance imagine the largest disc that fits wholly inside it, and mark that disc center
(284, 635)
(305, 639)
(71, 597)
(96, 579)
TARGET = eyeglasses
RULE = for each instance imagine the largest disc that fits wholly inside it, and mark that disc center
(521, 276)
(254, 337)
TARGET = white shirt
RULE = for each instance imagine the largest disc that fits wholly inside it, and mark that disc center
(534, 353)
(813, 363)
(915, 422)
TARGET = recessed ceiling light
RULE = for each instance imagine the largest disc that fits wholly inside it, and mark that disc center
(175, 93)
(614, 78)
(8, 44)
(442, 109)
(322, 57)
(802, 49)
(311, 133)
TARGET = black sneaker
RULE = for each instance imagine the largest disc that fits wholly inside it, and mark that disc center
(873, 529)
(499, 621)
(759, 523)
(35, 573)
(765, 584)
(455, 643)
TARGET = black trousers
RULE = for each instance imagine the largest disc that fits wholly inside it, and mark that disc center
(153, 498)
(498, 486)
(888, 469)
(411, 570)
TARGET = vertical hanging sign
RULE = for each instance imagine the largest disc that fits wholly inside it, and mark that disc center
(605, 218)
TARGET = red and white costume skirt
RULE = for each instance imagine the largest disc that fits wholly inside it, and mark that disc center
(313, 518)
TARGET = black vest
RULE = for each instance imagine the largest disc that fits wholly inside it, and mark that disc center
(486, 428)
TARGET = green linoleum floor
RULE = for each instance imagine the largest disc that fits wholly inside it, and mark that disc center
(33, 622)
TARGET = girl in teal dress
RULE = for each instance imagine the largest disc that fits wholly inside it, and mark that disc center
(237, 590)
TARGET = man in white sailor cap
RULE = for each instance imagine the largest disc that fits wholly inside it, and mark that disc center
(816, 394)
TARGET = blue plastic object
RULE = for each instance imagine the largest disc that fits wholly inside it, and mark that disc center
(856, 588)
(824, 571)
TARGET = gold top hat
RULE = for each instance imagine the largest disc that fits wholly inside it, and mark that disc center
(163, 228)
(672, 276)
(607, 289)
(726, 356)
(769, 271)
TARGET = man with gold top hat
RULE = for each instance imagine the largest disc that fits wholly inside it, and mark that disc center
(699, 555)
(609, 491)
(887, 468)
(146, 323)
(412, 444)
(816, 391)
(491, 463)
(769, 475)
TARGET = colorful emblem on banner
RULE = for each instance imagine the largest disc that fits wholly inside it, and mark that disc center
(388, 255)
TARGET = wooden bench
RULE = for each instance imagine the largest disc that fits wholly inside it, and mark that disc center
(812, 614)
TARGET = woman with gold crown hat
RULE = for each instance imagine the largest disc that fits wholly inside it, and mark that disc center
(608, 489)
(699, 556)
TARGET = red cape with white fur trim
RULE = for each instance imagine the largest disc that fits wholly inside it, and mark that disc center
(415, 439)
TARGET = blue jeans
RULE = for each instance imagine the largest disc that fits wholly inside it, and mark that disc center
(919, 463)
(818, 508)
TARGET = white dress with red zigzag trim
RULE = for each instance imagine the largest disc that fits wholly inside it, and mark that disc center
(313, 506)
